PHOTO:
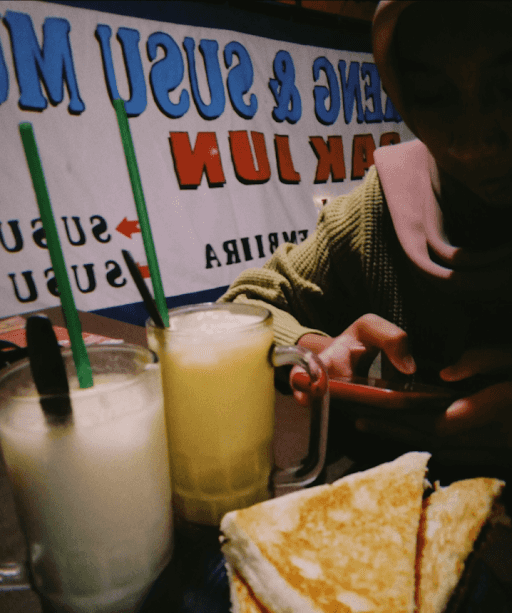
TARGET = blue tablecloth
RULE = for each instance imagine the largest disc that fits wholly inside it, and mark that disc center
(196, 580)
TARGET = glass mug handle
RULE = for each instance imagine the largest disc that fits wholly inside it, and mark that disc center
(291, 479)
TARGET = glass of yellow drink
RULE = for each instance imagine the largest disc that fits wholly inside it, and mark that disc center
(218, 379)
(94, 495)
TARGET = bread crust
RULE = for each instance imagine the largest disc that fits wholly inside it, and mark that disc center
(242, 597)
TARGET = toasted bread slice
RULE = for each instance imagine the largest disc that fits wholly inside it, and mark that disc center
(346, 547)
(452, 520)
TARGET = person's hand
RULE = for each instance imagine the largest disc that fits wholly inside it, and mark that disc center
(352, 352)
(491, 407)
(473, 429)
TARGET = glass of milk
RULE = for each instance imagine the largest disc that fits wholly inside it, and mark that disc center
(218, 379)
(93, 496)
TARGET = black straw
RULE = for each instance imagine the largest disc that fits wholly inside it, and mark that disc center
(48, 370)
(148, 299)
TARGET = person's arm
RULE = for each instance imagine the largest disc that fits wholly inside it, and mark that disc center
(318, 286)
(292, 286)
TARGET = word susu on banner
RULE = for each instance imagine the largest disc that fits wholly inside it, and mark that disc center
(28, 285)
(52, 64)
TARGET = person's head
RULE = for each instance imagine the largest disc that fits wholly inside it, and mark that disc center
(447, 66)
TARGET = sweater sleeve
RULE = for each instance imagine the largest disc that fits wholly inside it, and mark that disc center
(319, 285)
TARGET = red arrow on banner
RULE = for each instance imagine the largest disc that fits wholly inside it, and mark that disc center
(144, 270)
(128, 228)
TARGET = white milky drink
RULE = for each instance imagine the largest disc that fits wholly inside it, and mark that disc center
(93, 496)
(219, 401)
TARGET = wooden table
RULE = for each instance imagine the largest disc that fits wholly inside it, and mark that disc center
(292, 423)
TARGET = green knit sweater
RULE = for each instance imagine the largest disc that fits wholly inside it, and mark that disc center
(343, 270)
(353, 264)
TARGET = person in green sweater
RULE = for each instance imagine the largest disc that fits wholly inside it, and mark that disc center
(416, 263)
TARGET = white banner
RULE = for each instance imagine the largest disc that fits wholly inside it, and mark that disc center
(240, 140)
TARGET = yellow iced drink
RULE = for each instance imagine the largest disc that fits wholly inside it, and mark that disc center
(94, 496)
(219, 401)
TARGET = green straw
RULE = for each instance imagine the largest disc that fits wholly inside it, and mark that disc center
(140, 203)
(80, 357)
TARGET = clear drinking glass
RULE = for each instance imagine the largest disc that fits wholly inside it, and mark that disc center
(93, 496)
(218, 379)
